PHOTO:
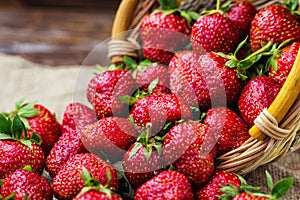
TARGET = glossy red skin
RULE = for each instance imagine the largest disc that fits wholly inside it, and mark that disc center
(159, 109)
(138, 170)
(162, 35)
(167, 185)
(213, 187)
(285, 63)
(242, 14)
(68, 145)
(273, 23)
(76, 116)
(219, 86)
(258, 94)
(247, 196)
(97, 195)
(111, 136)
(14, 155)
(190, 147)
(24, 183)
(71, 173)
(46, 126)
(216, 33)
(144, 78)
(104, 89)
(228, 127)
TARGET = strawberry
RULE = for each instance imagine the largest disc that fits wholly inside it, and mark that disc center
(70, 173)
(273, 23)
(105, 88)
(284, 63)
(26, 184)
(248, 196)
(242, 14)
(95, 190)
(219, 86)
(76, 116)
(143, 160)
(163, 32)
(39, 120)
(227, 126)
(159, 109)
(214, 32)
(258, 94)
(110, 136)
(213, 188)
(190, 147)
(166, 185)
(16, 151)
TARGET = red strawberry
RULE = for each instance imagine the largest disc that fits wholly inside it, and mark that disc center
(204, 81)
(41, 121)
(159, 109)
(96, 194)
(17, 152)
(248, 196)
(110, 136)
(77, 116)
(142, 162)
(213, 188)
(258, 94)
(241, 14)
(229, 129)
(104, 89)
(214, 32)
(273, 23)
(284, 63)
(24, 183)
(70, 173)
(190, 146)
(166, 185)
(157, 54)
(146, 75)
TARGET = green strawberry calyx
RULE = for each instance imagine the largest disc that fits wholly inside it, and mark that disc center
(277, 190)
(14, 129)
(292, 5)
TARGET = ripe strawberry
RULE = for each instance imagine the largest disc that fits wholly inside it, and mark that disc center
(204, 81)
(96, 194)
(214, 32)
(157, 54)
(142, 161)
(242, 14)
(248, 196)
(190, 147)
(146, 75)
(258, 94)
(76, 116)
(71, 173)
(166, 185)
(213, 188)
(24, 183)
(159, 109)
(273, 23)
(17, 152)
(229, 129)
(39, 120)
(110, 136)
(104, 89)
(284, 63)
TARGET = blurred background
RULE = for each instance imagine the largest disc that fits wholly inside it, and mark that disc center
(54, 32)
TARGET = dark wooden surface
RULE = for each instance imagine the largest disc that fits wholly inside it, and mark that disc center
(54, 34)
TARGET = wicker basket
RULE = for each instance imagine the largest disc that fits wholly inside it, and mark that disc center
(276, 131)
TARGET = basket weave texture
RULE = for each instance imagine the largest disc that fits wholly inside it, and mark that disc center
(272, 137)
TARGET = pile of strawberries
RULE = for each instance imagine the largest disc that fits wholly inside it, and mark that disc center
(156, 126)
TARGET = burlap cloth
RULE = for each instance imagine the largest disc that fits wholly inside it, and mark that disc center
(55, 87)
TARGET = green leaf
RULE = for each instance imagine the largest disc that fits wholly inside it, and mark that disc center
(226, 6)
(35, 138)
(194, 15)
(1, 181)
(109, 177)
(85, 175)
(27, 168)
(20, 102)
(130, 62)
(125, 99)
(135, 149)
(17, 127)
(148, 153)
(28, 111)
(269, 180)
(232, 63)
(168, 4)
(186, 15)
(27, 143)
(11, 196)
(240, 46)
(158, 147)
(282, 187)
(152, 85)
(5, 125)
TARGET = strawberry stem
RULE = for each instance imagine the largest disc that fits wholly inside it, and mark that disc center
(218, 4)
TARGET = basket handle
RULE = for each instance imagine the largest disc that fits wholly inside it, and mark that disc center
(284, 100)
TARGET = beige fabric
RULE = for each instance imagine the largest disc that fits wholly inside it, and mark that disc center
(55, 87)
